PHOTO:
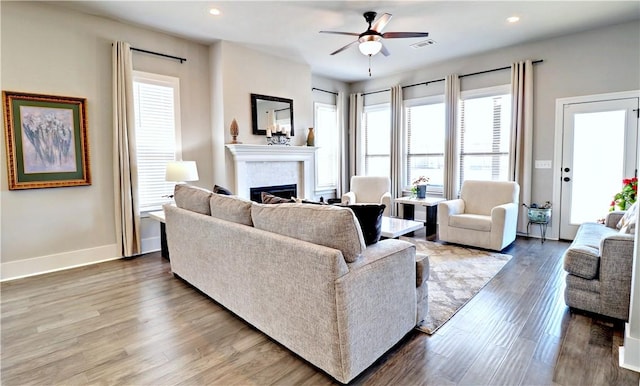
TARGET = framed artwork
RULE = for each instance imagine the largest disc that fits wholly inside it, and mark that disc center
(46, 140)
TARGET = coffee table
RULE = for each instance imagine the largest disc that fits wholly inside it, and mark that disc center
(395, 227)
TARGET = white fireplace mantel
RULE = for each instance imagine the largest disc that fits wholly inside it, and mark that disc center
(243, 154)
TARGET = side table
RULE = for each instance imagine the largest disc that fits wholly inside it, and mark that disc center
(159, 216)
(430, 203)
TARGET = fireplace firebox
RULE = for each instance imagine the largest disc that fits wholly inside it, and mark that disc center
(284, 191)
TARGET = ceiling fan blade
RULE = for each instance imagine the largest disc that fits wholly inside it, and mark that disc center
(382, 21)
(340, 33)
(384, 51)
(344, 48)
(396, 35)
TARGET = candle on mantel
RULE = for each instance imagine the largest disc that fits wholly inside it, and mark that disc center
(268, 132)
(288, 132)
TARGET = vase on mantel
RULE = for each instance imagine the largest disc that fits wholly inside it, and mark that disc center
(311, 137)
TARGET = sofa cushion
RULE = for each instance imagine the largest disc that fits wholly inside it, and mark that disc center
(326, 225)
(582, 261)
(590, 234)
(627, 223)
(370, 219)
(475, 222)
(192, 198)
(231, 208)
(221, 190)
(268, 198)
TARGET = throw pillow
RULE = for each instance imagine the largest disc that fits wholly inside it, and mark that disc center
(268, 198)
(231, 208)
(370, 218)
(192, 198)
(221, 190)
(627, 223)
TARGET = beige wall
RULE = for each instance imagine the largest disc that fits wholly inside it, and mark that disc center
(52, 50)
(239, 72)
(593, 62)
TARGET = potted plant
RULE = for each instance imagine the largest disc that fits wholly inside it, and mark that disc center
(627, 196)
(419, 188)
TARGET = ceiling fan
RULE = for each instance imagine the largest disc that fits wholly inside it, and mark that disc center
(371, 39)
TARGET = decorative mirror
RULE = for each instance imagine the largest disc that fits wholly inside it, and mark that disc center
(271, 113)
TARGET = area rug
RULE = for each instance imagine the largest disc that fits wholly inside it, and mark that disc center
(456, 274)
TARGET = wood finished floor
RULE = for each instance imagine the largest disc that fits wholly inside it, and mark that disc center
(131, 322)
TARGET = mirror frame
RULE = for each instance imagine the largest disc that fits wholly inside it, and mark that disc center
(254, 111)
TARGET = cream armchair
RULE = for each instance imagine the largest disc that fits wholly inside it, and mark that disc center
(369, 190)
(485, 215)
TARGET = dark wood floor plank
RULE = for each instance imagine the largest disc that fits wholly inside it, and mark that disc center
(131, 322)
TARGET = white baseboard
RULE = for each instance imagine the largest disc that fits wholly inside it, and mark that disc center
(43, 264)
(151, 244)
(629, 354)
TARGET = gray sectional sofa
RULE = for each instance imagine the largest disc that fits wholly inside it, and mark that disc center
(301, 274)
(598, 265)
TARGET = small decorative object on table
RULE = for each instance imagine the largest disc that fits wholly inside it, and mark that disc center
(627, 196)
(539, 214)
(419, 188)
(311, 137)
(233, 129)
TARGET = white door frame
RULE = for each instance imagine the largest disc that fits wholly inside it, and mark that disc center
(557, 156)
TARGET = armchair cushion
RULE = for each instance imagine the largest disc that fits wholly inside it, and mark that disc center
(476, 222)
(369, 190)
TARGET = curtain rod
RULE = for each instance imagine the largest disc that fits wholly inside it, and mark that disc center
(159, 54)
(328, 92)
(442, 79)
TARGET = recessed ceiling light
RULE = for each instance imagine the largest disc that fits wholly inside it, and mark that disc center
(513, 19)
(214, 11)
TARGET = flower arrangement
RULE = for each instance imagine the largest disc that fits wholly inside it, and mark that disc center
(627, 196)
(422, 180)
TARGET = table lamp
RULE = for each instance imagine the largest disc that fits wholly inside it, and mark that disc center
(181, 171)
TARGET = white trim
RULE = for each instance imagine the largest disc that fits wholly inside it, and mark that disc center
(557, 151)
(486, 92)
(57, 262)
(629, 354)
(243, 154)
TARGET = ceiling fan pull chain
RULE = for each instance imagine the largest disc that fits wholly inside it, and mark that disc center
(369, 65)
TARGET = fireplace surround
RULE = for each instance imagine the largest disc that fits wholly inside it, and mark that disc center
(262, 165)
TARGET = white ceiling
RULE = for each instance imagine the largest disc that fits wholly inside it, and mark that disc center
(290, 29)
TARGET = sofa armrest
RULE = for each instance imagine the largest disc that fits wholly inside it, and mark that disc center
(616, 259)
(348, 198)
(612, 218)
(377, 294)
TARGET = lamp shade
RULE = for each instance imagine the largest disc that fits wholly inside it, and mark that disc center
(370, 45)
(181, 171)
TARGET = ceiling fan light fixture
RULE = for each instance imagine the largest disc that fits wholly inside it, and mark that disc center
(370, 45)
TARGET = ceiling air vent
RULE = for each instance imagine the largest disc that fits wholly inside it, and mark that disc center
(423, 43)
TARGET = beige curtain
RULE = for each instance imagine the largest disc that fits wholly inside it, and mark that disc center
(124, 150)
(522, 134)
(356, 138)
(451, 96)
(344, 146)
(397, 145)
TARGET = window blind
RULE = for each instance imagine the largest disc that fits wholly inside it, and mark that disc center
(377, 141)
(155, 125)
(327, 139)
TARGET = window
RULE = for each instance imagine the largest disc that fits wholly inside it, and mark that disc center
(157, 116)
(376, 126)
(484, 134)
(424, 144)
(327, 139)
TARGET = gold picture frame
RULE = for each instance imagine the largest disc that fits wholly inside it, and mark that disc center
(46, 140)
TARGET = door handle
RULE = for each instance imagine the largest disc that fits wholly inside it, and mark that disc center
(567, 170)
(567, 179)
